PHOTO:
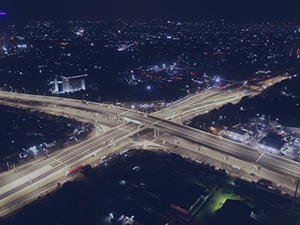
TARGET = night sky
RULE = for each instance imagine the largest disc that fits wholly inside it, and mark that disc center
(179, 10)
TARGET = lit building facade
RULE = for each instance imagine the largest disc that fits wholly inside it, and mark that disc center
(236, 134)
(64, 84)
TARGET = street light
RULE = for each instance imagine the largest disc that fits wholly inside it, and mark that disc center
(24, 90)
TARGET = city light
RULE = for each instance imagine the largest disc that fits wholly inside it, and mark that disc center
(147, 79)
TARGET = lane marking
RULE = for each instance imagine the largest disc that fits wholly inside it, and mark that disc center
(260, 157)
(123, 113)
(57, 160)
(155, 123)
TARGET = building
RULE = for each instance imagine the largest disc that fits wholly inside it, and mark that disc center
(1, 44)
(273, 142)
(2, 40)
(125, 212)
(236, 134)
(64, 84)
(189, 200)
(271, 145)
(217, 129)
(1, 32)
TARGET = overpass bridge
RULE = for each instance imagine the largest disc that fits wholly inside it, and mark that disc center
(15, 187)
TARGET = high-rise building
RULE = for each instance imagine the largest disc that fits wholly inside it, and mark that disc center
(2, 31)
(1, 43)
(64, 84)
(292, 49)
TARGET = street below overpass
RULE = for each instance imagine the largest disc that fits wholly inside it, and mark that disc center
(240, 151)
(26, 179)
(15, 185)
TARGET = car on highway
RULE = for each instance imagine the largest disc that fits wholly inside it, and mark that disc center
(235, 167)
(76, 169)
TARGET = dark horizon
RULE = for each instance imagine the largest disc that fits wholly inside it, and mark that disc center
(175, 10)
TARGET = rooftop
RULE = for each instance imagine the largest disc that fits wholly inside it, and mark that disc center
(236, 130)
(277, 144)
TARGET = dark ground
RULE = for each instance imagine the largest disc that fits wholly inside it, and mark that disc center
(100, 192)
(22, 129)
(271, 102)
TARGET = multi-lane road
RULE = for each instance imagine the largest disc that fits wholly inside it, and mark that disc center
(235, 149)
(15, 185)
(203, 102)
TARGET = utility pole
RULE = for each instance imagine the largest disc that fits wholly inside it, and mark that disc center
(47, 153)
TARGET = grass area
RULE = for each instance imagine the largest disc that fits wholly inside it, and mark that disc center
(216, 201)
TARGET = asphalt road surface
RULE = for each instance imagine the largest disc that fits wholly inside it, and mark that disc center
(14, 186)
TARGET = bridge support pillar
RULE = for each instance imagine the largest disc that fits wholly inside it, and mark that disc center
(176, 140)
(257, 167)
(156, 133)
(144, 145)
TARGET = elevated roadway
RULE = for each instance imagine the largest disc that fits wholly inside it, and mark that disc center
(15, 185)
(203, 102)
(241, 151)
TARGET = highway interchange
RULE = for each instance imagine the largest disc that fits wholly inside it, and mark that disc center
(26, 177)
(17, 187)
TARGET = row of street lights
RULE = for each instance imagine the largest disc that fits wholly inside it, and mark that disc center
(24, 90)
(84, 96)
